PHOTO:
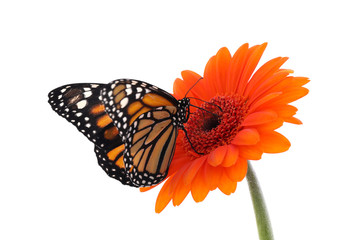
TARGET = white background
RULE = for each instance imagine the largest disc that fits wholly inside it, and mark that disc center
(51, 186)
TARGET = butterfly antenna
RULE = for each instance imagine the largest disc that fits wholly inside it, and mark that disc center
(207, 102)
(192, 86)
(204, 110)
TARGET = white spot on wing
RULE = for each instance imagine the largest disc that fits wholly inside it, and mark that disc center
(81, 104)
(87, 94)
(124, 102)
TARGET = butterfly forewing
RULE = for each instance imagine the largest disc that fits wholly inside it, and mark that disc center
(80, 105)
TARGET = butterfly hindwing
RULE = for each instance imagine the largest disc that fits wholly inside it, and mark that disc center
(111, 161)
(150, 146)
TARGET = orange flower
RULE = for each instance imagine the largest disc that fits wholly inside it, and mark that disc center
(253, 105)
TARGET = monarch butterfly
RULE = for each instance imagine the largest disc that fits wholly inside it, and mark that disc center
(133, 124)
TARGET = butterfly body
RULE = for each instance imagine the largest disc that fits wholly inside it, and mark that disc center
(133, 124)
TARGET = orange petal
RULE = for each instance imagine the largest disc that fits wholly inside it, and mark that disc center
(212, 175)
(209, 75)
(177, 164)
(277, 123)
(231, 157)
(274, 142)
(180, 193)
(144, 189)
(261, 101)
(264, 73)
(191, 172)
(216, 157)
(238, 171)
(261, 117)
(293, 120)
(247, 136)
(179, 88)
(285, 110)
(226, 185)
(255, 53)
(291, 95)
(167, 191)
(223, 59)
(191, 85)
(177, 178)
(264, 88)
(236, 67)
(197, 91)
(299, 81)
(164, 197)
(251, 152)
(199, 188)
(276, 83)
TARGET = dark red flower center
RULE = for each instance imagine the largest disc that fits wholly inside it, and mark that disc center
(215, 124)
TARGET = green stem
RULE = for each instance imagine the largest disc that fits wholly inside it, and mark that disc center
(261, 213)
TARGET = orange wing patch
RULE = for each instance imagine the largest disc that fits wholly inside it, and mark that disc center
(137, 114)
(103, 121)
(98, 109)
(111, 133)
(134, 107)
(112, 155)
(155, 100)
(120, 162)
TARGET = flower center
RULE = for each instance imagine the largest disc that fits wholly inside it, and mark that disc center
(215, 124)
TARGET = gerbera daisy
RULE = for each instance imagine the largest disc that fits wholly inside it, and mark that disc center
(242, 108)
